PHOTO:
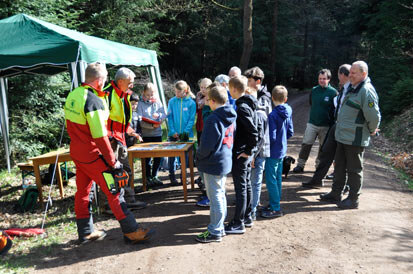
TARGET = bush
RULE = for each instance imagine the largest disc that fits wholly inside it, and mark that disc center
(36, 114)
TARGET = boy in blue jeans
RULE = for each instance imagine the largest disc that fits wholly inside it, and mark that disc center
(280, 129)
(214, 158)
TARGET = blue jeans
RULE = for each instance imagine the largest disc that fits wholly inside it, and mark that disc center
(273, 179)
(215, 187)
(256, 182)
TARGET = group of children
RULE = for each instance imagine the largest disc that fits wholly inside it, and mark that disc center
(241, 128)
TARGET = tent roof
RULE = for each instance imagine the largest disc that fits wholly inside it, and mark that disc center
(30, 45)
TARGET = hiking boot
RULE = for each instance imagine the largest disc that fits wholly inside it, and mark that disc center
(232, 228)
(96, 235)
(348, 204)
(272, 214)
(203, 202)
(174, 181)
(156, 181)
(330, 198)
(207, 237)
(312, 184)
(139, 236)
(298, 169)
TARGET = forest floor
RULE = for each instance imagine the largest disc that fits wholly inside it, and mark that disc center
(312, 236)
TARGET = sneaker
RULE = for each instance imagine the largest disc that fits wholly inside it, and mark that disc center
(248, 222)
(348, 204)
(203, 202)
(232, 228)
(298, 169)
(272, 214)
(263, 208)
(156, 181)
(96, 235)
(207, 237)
(174, 181)
(139, 236)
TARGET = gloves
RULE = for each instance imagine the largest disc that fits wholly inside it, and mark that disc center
(121, 178)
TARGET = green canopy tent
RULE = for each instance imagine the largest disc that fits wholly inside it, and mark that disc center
(33, 46)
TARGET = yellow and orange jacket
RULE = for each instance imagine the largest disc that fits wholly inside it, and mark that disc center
(120, 113)
(86, 113)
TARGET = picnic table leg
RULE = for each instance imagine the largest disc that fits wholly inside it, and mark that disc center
(132, 182)
(59, 180)
(38, 182)
(183, 169)
(191, 165)
(143, 165)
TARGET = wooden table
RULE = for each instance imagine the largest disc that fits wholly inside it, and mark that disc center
(163, 149)
(46, 159)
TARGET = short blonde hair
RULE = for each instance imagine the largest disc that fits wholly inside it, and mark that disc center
(95, 71)
(218, 94)
(240, 83)
(279, 93)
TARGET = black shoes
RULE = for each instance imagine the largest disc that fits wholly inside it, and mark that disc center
(298, 169)
(348, 204)
(248, 222)
(312, 184)
(232, 228)
(174, 181)
(330, 198)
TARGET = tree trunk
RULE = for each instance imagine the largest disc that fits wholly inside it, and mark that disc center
(272, 78)
(247, 32)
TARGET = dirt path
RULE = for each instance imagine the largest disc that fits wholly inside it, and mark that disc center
(312, 237)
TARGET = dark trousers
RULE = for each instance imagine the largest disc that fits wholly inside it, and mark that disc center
(156, 163)
(349, 163)
(326, 156)
(241, 172)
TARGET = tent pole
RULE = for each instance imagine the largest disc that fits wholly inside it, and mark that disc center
(4, 121)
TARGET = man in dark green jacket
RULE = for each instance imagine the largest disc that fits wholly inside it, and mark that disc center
(358, 119)
(321, 117)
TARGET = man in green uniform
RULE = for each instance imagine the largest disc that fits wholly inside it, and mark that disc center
(321, 117)
(358, 119)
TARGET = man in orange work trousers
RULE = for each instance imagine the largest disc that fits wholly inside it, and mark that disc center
(86, 113)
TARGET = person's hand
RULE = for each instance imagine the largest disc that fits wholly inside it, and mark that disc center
(139, 138)
(375, 132)
(243, 155)
(176, 136)
(155, 115)
(118, 165)
(253, 163)
(156, 125)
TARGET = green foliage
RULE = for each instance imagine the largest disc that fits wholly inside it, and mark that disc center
(36, 114)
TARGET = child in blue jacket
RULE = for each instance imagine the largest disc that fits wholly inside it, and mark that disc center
(181, 119)
(280, 125)
(214, 158)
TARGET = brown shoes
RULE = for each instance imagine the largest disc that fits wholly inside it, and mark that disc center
(139, 236)
(96, 235)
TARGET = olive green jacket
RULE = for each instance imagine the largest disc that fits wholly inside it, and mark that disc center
(359, 115)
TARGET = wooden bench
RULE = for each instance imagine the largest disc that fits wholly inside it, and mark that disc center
(26, 169)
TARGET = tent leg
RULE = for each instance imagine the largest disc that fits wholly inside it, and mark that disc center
(4, 121)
